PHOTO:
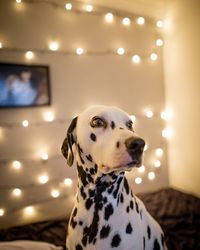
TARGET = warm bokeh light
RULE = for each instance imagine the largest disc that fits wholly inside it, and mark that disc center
(109, 17)
(159, 152)
(126, 21)
(157, 164)
(17, 192)
(68, 182)
(136, 58)
(29, 55)
(2, 212)
(167, 133)
(53, 46)
(151, 176)
(43, 179)
(16, 164)
(29, 210)
(79, 51)
(68, 6)
(149, 113)
(25, 123)
(89, 8)
(154, 56)
(141, 169)
(120, 51)
(138, 180)
(159, 24)
(49, 116)
(159, 42)
(140, 20)
(55, 193)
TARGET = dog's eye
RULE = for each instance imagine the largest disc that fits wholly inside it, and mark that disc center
(98, 122)
(129, 125)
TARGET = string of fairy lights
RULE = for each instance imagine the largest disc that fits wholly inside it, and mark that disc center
(109, 17)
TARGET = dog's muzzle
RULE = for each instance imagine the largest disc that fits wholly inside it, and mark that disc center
(135, 148)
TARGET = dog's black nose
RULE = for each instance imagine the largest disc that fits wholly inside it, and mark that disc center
(134, 145)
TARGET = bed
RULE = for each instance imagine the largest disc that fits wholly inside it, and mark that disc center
(178, 213)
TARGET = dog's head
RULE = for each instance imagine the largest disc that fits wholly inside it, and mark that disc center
(106, 134)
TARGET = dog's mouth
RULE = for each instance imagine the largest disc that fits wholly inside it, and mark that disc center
(126, 167)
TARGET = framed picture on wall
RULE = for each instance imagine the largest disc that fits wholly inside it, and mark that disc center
(24, 85)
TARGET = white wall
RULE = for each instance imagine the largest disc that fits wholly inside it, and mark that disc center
(182, 81)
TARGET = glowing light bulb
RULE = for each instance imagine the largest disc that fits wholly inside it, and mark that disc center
(16, 164)
(159, 42)
(44, 156)
(89, 8)
(2, 212)
(133, 118)
(166, 115)
(55, 193)
(1, 45)
(138, 180)
(154, 56)
(68, 182)
(79, 51)
(53, 46)
(136, 59)
(48, 116)
(126, 21)
(120, 51)
(149, 113)
(68, 6)
(18, 1)
(29, 210)
(29, 55)
(17, 192)
(157, 164)
(159, 152)
(159, 24)
(43, 179)
(141, 169)
(109, 17)
(25, 123)
(140, 20)
(151, 176)
(167, 133)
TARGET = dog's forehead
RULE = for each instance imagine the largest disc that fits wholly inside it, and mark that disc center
(107, 112)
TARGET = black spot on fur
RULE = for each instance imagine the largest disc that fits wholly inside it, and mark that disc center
(73, 223)
(95, 168)
(74, 212)
(117, 144)
(112, 125)
(92, 171)
(110, 189)
(83, 194)
(82, 175)
(91, 193)
(89, 157)
(129, 228)
(80, 223)
(122, 198)
(137, 208)
(93, 230)
(117, 188)
(143, 243)
(127, 209)
(115, 240)
(126, 185)
(84, 240)
(141, 214)
(131, 205)
(105, 230)
(108, 211)
(93, 137)
(88, 203)
(90, 179)
(149, 232)
(79, 247)
(156, 245)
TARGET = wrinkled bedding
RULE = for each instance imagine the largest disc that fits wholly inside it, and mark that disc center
(178, 214)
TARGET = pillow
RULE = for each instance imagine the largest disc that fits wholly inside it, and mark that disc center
(27, 245)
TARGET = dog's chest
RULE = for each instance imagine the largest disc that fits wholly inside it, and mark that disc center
(106, 219)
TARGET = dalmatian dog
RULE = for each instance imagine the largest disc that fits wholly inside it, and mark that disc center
(107, 215)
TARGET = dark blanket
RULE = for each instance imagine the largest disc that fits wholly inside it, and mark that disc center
(177, 213)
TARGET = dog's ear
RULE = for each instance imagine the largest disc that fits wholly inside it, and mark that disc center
(69, 141)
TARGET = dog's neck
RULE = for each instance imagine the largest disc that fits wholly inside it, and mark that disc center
(93, 185)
